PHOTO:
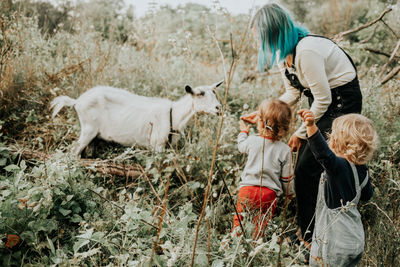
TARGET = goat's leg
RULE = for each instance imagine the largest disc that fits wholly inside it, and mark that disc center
(87, 135)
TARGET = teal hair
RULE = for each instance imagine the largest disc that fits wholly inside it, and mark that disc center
(276, 31)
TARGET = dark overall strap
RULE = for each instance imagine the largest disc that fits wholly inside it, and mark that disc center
(294, 80)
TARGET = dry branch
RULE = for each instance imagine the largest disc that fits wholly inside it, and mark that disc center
(392, 56)
(370, 36)
(66, 71)
(228, 78)
(340, 35)
(375, 51)
(390, 75)
(390, 29)
(156, 246)
(100, 166)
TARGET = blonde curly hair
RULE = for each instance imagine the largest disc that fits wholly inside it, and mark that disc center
(354, 138)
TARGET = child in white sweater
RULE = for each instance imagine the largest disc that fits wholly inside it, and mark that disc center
(267, 173)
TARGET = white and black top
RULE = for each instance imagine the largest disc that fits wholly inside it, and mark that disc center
(320, 65)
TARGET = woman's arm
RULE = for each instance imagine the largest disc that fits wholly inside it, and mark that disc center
(312, 66)
(291, 95)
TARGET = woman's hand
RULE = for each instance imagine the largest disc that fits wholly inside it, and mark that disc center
(251, 118)
(295, 142)
(244, 127)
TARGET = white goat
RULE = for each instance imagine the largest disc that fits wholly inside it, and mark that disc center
(117, 115)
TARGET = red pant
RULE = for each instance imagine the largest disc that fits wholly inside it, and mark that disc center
(249, 199)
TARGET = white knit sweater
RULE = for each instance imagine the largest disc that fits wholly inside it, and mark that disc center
(320, 66)
(272, 170)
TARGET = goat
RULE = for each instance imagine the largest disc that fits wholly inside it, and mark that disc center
(117, 115)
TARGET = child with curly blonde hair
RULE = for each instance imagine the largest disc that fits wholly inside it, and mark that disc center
(338, 238)
(268, 168)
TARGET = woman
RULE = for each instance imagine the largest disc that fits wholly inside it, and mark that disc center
(316, 67)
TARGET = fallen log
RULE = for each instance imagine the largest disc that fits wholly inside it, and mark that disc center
(105, 167)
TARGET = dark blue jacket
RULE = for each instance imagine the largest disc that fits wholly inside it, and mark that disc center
(340, 186)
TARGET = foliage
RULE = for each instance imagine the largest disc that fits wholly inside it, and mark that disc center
(66, 215)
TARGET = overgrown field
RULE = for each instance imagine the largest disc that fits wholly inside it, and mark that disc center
(54, 211)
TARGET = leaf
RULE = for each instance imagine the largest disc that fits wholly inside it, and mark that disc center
(64, 211)
(97, 236)
(28, 237)
(86, 254)
(201, 259)
(23, 165)
(76, 218)
(3, 161)
(217, 263)
(45, 225)
(11, 168)
(80, 243)
(51, 245)
(87, 234)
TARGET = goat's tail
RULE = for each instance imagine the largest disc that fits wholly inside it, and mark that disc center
(59, 102)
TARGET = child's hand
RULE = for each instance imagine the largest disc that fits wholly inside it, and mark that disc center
(307, 117)
(244, 127)
(251, 118)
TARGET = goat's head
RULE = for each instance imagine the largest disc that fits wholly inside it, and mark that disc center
(205, 98)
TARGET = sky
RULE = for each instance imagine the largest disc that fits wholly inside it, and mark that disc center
(233, 6)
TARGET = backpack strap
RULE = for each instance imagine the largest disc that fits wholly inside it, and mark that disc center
(364, 183)
(356, 178)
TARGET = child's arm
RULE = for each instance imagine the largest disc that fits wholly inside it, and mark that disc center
(251, 118)
(318, 145)
(308, 118)
(242, 137)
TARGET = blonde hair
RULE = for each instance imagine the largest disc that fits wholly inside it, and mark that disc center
(354, 138)
(277, 115)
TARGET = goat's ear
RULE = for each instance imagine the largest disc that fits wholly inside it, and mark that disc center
(189, 89)
(218, 83)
